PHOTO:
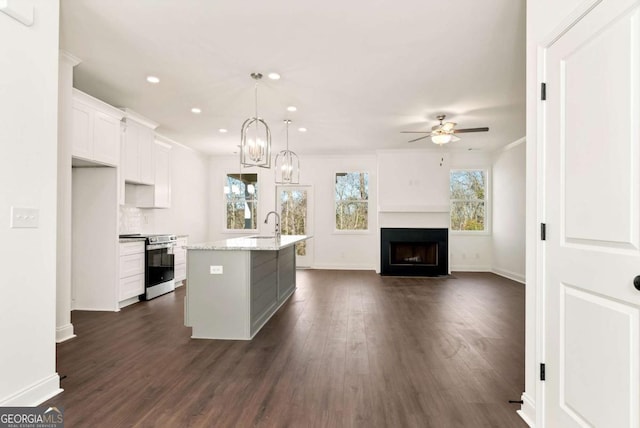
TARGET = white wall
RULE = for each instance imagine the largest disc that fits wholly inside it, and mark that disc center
(543, 16)
(189, 198)
(333, 250)
(508, 230)
(28, 108)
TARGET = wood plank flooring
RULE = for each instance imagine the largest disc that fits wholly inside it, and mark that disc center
(349, 349)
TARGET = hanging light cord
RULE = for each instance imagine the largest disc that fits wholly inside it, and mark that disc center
(288, 121)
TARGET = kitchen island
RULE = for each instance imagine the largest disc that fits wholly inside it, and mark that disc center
(236, 285)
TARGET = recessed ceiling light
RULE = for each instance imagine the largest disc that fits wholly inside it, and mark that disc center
(274, 76)
(302, 129)
(292, 108)
(153, 79)
(222, 130)
(196, 110)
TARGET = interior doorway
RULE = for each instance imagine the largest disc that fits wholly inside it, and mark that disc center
(295, 205)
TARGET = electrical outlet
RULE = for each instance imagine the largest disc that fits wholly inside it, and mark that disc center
(24, 218)
(215, 270)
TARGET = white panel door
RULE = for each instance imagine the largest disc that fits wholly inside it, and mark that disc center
(592, 211)
(295, 205)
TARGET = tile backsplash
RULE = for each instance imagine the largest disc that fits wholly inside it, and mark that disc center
(131, 220)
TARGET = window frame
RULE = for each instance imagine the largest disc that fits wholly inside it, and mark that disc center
(225, 229)
(337, 231)
(486, 200)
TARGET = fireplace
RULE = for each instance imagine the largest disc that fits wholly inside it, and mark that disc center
(414, 252)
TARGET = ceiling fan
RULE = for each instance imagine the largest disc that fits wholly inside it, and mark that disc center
(443, 133)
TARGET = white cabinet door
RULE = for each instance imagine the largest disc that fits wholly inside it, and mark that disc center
(138, 159)
(96, 130)
(158, 195)
(131, 283)
(131, 286)
(82, 144)
(162, 176)
(131, 169)
(145, 155)
(592, 209)
(106, 138)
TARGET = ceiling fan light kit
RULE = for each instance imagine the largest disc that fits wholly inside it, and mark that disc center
(255, 142)
(441, 138)
(443, 133)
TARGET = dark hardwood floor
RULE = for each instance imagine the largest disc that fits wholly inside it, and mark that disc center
(350, 348)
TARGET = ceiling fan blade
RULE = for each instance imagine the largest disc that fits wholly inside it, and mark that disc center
(454, 138)
(421, 138)
(415, 132)
(460, 131)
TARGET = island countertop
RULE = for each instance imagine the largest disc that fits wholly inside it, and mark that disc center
(250, 243)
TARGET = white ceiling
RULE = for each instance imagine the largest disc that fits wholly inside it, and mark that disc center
(359, 71)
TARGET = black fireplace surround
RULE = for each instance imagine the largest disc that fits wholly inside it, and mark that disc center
(414, 252)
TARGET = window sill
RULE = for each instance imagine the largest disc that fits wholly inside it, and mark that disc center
(469, 232)
(351, 232)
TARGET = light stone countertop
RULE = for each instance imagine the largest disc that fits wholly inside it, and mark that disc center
(250, 243)
(132, 239)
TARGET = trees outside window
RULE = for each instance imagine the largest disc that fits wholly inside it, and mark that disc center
(241, 194)
(352, 200)
(468, 194)
(293, 215)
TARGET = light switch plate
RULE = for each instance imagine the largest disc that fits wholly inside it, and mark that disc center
(215, 270)
(24, 218)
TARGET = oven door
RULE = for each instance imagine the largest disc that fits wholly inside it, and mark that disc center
(160, 264)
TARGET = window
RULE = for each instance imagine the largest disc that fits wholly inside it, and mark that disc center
(352, 201)
(241, 194)
(468, 199)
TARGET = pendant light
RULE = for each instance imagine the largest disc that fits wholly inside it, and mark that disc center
(255, 145)
(287, 164)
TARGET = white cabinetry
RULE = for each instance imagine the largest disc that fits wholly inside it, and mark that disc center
(131, 283)
(158, 195)
(96, 130)
(180, 260)
(137, 156)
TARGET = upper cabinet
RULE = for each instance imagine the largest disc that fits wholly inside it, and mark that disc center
(96, 130)
(137, 157)
(158, 195)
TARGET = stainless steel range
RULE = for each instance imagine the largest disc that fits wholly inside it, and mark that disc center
(159, 270)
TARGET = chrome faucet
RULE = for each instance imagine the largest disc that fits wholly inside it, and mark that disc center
(277, 230)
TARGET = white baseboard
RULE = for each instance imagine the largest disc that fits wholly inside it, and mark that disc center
(128, 302)
(528, 410)
(518, 277)
(64, 333)
(35, 394)
(469, 268)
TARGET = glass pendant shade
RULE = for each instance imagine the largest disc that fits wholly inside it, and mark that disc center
(287, 167)
(441, 138)
(255, 137)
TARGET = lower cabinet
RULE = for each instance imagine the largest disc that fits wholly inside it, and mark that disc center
(180, 261)
(131, 282)
(234, 301)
